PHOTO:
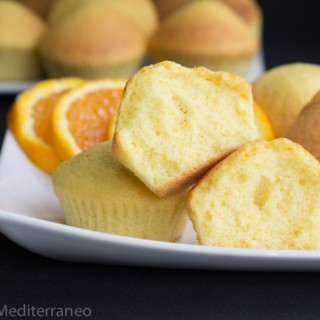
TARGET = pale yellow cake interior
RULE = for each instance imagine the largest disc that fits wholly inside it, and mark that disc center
(174, 123)
(264, 196)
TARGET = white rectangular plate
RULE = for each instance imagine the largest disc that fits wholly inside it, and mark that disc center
(30, 215)
(14, 87)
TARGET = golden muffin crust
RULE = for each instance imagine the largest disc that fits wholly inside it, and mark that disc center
(165, 7)
(283, 91)
(132, 9)
(248, 10)
(20, 28)
(205, 33)
(94, 35)
(96, 192)
(263, 196)
(94, 42)
(40, 7)
(306, 130)
(20, 31)
(205, 29)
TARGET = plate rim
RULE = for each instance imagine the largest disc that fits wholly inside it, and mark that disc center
(8, 87)
(242, 253)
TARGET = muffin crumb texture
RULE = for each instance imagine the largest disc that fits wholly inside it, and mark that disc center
(264, 196)
(175, 123)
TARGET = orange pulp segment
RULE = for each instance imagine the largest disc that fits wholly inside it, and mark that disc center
(82, 117)
(30, 120)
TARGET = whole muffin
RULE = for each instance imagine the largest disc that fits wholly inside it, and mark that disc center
(96, 192)
(205, 33)
(132, 9)
(165, 7)
(20, 31)
(282, 93)
(250, 12)
(306, 130)
(93, 42)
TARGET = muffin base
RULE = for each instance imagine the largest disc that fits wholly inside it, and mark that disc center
(19, 65)
(164, 222)
(56, 69)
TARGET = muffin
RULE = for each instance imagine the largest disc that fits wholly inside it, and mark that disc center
(205, 33)
(282, 92)
(165, 7)
(306, 130)
(20, 31)
(95, 42)
(96, 192)
(248, 10)
(132, 9)
(175, 123)
(41, 7)
(263, 196)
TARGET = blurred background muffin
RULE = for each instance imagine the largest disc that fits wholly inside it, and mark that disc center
(249, 10)
(132, 9)
(283, 91)
(20, 31)
(112, 41)
(306, 130)
(94, 41)
(40, 7)
(205, 33)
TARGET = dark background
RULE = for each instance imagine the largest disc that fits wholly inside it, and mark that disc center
(291, 31)
(292, 34)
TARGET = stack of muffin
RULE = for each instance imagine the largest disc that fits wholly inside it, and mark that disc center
(188, 140)
(114, 38)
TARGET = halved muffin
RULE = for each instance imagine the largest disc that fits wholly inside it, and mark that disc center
(175, 123)
(263, 196)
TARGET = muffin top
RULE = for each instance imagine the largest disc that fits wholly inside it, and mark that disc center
(41, 7)
(93, 35)
(205, 28)
(247, 9)
(96, 173)
(306, 129)
(165, 7)
(20, 28)
(132, 9)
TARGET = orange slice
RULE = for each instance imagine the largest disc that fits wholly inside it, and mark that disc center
(30, 120)
(82, 116)
(263, 123)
